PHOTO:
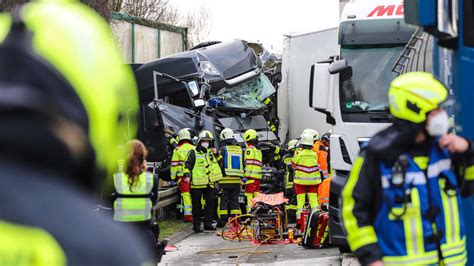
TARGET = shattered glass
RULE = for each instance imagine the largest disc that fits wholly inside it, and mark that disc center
(249, 94)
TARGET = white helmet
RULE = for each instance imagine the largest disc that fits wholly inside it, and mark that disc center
(311, 132)
(292, 144)
(307, 139)
(226, 134)
(184, 134)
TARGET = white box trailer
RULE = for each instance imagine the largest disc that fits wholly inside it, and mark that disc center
(300, 52)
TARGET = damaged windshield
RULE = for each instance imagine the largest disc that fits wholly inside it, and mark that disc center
(249, 94)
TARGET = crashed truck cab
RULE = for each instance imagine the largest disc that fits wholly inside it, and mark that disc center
(213, 87)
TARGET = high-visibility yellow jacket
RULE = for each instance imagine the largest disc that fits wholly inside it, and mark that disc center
(253, 163)
(305, 164)
(203, 168)
(177, 160)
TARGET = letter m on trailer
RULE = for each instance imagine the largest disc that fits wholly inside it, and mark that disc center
(388, 10)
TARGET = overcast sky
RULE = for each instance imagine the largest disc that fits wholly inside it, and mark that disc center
(264, 20)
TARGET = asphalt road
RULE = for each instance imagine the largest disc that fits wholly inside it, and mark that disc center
(190, 252)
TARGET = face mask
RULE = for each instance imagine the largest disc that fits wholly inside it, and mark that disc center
(205, 144)
(438, 124)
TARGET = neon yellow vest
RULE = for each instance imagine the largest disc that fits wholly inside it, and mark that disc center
(138, 207)
(201, 172)
(305, 164)
(214, 168)
(178, 158)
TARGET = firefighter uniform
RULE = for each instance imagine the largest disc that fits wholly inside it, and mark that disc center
(289, 177)
(231, 161)
(401, 203)
(177, 164)
(203, 170)
(323, 154)
(253, 167)
(306, 176)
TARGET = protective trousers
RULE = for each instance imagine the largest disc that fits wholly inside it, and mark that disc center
(229, 202)
(209, 196)
(185, 189)
(252, 188)
(301, 192)
(292, 205)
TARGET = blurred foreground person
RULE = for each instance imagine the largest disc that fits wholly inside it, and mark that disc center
(64, 98)
(402, 201)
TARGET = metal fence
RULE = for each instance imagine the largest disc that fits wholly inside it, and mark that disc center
(143, 41)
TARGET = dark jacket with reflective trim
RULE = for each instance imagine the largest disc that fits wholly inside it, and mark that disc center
(367, 191)
(222, 153)
(49, 202)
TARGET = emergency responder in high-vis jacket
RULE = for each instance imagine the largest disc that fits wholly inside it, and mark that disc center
(177, 171)
(253, 166)
(311, 132)
(306, 175)
(231, 162)
(202, 171)
(321, 147)
(136, 192)
(65, 95)
(270, 122)
(289, 177)
(401, 203)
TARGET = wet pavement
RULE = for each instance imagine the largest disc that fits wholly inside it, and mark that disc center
(207, 249)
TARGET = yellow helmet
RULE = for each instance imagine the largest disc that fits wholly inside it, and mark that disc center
(250, 134)
(292, 144)
(413, 95)
(205, 135)
(184, 134)
(76, 45)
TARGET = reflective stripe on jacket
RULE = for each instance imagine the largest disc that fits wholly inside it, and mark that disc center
(177, 160)
(214, 167)
(233, 165)
(419, 205)
(200, 172)
(133, 203)
(253, 163)
(289, 171)
(305, 164)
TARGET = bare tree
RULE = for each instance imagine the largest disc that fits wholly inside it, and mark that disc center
(199, 25)
(100, 6)
(153, 10)
(9, 5)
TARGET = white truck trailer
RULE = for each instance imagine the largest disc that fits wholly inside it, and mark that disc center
(347, 81)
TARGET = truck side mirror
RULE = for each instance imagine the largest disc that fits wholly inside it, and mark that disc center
(342, 68)
(319, 86)
(193, 88)
(320, 94)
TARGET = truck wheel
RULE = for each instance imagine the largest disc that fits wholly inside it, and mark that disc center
(344, 249)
